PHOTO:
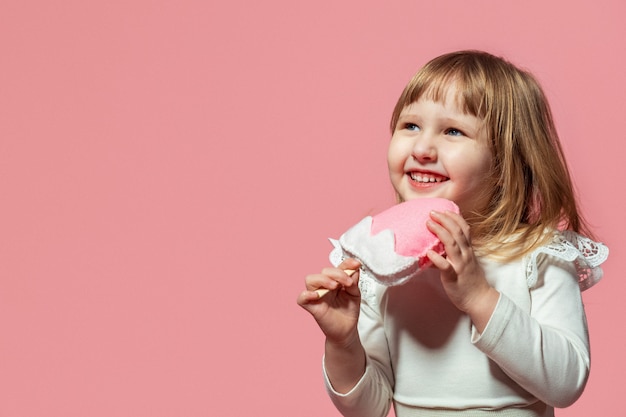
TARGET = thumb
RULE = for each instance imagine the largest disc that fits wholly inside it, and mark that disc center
(353, 289)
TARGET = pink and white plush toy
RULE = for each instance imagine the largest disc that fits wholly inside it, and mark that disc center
(392, 245)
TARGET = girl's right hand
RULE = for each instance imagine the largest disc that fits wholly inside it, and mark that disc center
(337, 312)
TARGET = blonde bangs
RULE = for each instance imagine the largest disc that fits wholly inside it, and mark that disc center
(434, 81)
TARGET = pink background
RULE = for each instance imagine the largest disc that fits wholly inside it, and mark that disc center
(170, 171)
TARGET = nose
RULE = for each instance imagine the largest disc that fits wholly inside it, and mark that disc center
(424, 148)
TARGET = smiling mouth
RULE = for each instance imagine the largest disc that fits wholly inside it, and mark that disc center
(424, 178)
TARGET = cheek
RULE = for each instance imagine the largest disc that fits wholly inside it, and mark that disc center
(475, 163)
(396, 153)
(391, 156)
(486, 165)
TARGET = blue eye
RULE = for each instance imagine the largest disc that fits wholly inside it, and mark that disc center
(454, 132)
(411, 126)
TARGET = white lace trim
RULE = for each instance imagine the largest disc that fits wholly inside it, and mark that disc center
(336, 255)
(366, 281)
(586, 255)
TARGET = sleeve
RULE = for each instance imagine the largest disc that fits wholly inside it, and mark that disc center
(372, 395)
(547, 351)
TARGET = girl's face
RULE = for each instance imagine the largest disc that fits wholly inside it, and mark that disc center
(437, 150)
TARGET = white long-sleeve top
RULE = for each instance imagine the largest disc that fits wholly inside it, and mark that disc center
(425, 356)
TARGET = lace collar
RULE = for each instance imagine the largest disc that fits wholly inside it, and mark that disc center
(586, 255)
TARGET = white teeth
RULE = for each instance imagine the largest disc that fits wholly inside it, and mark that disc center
(425, 178)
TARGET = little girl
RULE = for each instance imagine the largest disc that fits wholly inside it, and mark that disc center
(497, 325)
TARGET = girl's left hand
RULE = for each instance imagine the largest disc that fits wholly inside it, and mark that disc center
(462, 276)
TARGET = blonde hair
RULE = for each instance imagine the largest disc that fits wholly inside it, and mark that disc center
(531, 190)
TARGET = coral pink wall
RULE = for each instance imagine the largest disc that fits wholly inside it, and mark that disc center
(170, 171)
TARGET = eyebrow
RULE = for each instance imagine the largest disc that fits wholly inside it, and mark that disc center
(471, 131)
(440, 119)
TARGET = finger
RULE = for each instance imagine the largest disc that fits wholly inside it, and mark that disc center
(353, 289)
(329, 279)
(443, 234)
(306, 298)
(454, 226)
(453, 247)
(437, 260)
(341, 276)
(441, 263)
(338, 277)
(323, 280)
(349, 264)
(349, 283)
(454, 223)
